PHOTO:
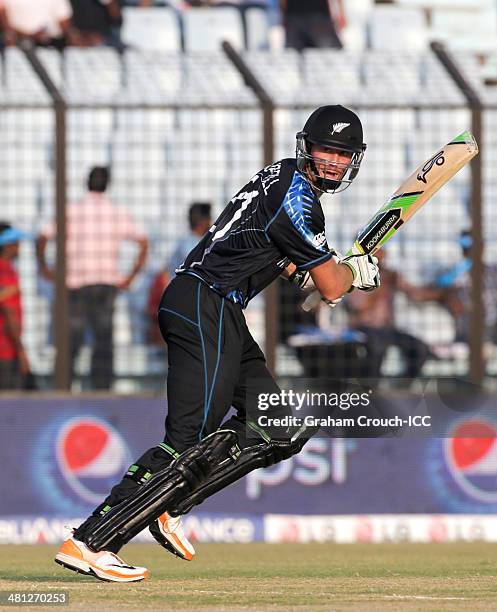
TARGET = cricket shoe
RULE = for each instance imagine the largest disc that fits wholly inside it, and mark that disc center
(168, 532)
(76, 556)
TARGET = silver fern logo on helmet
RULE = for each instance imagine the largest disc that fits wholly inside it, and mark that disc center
(338, 127)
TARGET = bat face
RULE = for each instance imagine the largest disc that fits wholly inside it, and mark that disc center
(414, 192)
(419, 187)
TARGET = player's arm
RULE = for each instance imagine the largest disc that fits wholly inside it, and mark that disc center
(140, 261)
(340, 17)
(332, 279)
(41, 247)
(9, 33)
(298, 230)
(418, 294)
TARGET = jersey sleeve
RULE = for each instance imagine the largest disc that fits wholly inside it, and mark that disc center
(298, 227)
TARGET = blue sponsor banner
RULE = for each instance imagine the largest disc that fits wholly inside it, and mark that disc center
(60, 457)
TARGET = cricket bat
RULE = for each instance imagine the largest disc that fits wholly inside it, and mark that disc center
(417, 189)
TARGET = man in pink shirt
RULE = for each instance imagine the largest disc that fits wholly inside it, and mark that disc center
(96, 229)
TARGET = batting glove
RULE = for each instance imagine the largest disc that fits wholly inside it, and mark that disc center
(365, 271)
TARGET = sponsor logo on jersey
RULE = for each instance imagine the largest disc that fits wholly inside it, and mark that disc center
(319, 239)
(283, 263)
(339, 127)
(82, 457)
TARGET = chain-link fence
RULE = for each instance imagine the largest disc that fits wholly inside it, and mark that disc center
(182, 129)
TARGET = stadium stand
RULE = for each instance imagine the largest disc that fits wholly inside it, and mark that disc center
(153, 29)
(391, 27)
(177, 127)
(206, 28)
(257, 28)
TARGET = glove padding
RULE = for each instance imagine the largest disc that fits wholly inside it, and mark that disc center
(365, 271)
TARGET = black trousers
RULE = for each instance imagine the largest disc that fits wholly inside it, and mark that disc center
(311, 31)
(414, 350)
(92, 307)
(214, 364)
(10, 375)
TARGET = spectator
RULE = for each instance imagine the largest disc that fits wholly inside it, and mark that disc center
(312, 23)
(373, 314)
(455, 285)
(14, 364)
(325, 349)
(200, 220)
(96, 228)
(44, 22)
(98, 22)
(240, 3)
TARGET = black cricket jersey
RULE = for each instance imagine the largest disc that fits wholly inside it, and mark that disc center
(275, 219)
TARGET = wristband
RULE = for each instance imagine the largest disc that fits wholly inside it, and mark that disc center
(299, 278)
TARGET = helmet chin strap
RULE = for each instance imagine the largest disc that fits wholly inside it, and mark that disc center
(321, 184)
(307, 165)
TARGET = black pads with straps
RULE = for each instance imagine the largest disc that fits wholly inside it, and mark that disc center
(232, 469)
(162, 491)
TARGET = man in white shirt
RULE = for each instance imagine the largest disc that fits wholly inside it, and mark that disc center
(45, 22)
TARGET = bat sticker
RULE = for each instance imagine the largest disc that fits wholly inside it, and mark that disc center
(437, 159)
(378, 228)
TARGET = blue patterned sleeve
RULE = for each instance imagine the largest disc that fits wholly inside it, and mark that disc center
(298, 227)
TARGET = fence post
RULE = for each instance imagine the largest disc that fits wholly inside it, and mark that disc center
(267, 105)
(477, 326)
(61, 306)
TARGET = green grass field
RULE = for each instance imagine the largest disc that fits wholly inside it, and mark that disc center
(276, 577)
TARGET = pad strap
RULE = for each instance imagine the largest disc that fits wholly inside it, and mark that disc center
(139, 473)
(232, 469)
(166, 488)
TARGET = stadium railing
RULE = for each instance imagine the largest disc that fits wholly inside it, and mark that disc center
(177, 128)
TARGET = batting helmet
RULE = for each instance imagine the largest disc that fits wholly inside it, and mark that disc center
(333, 127)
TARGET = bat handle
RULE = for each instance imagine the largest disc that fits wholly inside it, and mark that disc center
(311, 301)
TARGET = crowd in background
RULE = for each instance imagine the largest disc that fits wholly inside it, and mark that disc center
(89, 23)
(96, 229)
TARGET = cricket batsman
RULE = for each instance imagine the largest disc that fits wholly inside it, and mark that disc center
(274, 225)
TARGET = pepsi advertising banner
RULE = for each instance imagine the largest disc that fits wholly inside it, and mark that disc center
(60, 456)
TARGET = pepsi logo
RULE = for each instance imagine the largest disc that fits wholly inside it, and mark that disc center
(91, 457)
(471, 457)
